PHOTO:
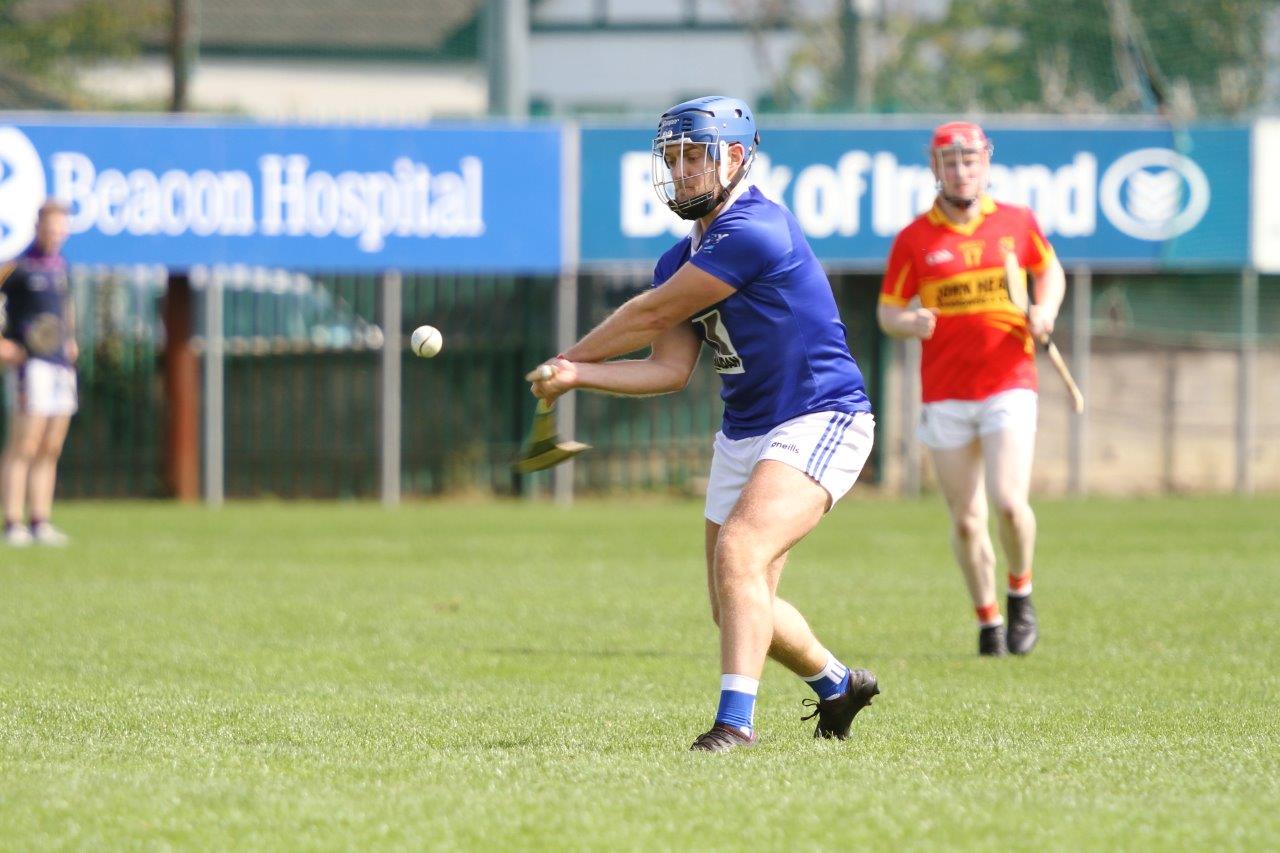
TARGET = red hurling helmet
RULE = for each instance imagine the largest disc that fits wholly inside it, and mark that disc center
(964, 135)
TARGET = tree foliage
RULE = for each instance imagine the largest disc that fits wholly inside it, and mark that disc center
(1184, 58)
(43, 41)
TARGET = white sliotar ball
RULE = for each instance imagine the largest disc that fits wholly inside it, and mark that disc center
(426, 341)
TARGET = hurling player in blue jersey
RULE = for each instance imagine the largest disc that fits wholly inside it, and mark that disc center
(39, 349)
(797, 423)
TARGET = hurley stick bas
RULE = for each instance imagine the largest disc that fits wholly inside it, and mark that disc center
(542, 448)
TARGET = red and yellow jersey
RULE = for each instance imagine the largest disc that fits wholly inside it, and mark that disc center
(981, 345)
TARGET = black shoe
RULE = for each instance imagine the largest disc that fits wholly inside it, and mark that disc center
(991, 642)
(835, 715)
(1023, 629)
(722, 738)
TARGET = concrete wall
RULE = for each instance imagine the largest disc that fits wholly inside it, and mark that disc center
(1162, 421)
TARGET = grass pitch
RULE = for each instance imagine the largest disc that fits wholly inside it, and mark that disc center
(507, 675)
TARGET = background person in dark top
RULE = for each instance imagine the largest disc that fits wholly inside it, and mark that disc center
(40, 351)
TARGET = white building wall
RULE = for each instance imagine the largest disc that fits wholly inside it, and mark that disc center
(619, 71)
(303, 90)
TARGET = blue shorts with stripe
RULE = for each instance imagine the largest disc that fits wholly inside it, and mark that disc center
(831, 447)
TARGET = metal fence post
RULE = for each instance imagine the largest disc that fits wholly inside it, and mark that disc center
(1246, 405)
(1169, 424)
(214, 404)
(392, 288)
(567, 295)
(1081, 346)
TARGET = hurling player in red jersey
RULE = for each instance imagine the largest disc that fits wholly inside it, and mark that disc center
(944, 284)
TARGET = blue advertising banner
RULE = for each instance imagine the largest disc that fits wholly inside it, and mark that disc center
(177, 193)
(1108, 195)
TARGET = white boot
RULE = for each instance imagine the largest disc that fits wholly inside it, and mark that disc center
(45, 533)
(18, 536)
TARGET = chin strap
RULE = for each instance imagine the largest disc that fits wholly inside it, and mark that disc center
(962, 203)
(698, 207)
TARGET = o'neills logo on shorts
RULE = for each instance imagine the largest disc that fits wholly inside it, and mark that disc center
(783, 446)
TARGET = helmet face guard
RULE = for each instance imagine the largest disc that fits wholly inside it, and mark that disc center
(694, 194)
(951, 143)
(709, 127)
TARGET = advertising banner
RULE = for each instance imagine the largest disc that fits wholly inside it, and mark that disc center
(1108, 195)
(1266, 195)
(466, 199)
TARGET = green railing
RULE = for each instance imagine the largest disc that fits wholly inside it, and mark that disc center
(302, 396)
(302, 379)
(115, 448)
(303, 404)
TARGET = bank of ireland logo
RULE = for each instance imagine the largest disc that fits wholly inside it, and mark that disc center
(22, 189)
(1154, 194)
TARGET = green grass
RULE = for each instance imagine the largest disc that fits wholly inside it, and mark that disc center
(506, 675)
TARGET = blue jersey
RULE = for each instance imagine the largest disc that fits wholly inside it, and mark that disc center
(779, 345)
(37, 292)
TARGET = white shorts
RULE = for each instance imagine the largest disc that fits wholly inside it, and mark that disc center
(948, 424)
(831, 447)
(39, 387)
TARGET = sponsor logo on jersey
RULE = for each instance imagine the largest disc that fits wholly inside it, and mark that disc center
(709, 242)
(972, 252)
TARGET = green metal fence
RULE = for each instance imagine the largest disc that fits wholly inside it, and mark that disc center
(303, 402)
(302, 391)
(300, 384)
(303, 395)
(115, 445)
(465, 411)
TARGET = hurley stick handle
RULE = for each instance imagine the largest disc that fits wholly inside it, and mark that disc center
(541, 373)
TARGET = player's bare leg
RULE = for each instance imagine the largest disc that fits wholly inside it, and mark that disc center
(738, 582)
(841, 692)
(1009, 456)
(21, 447)
(777, 508)
(794, 644)
(960, 475)
(42, 479)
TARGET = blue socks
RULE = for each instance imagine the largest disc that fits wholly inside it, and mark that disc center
(738, 694)
(831, 681)
(737, 702)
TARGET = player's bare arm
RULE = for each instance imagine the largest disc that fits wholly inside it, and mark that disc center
(640, 320)
(1050, 288)
(906, 321)
(73, 347)
(667, 369)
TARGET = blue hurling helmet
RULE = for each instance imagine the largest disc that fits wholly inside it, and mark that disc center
(714, 123)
